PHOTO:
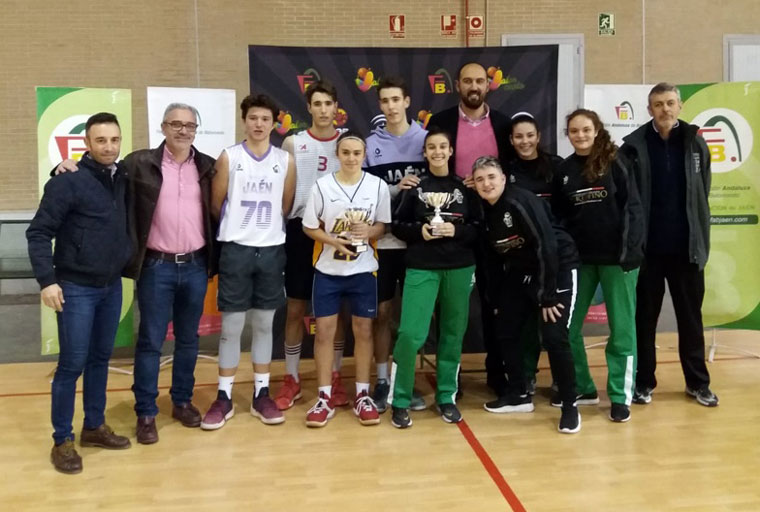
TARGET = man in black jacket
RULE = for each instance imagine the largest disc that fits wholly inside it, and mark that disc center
(672, 167)
(477, 131)
(81, 280)
(171, 224)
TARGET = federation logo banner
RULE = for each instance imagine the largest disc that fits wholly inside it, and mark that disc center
(520, 78)
(61, 116)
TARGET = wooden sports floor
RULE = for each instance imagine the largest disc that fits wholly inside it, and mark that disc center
(672, 455)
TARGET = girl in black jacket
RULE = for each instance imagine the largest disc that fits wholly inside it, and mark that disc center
(599, 203)
(534, 275)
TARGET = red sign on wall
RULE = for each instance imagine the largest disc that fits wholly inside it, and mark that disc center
(476, 26)
(449, 25)
(397, 26)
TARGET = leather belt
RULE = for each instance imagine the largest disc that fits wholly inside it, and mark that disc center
(184, 257)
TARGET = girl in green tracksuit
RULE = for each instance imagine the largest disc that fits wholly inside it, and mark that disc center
(440, 267)
(599, 204)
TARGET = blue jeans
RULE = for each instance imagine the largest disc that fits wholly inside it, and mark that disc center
(168, 291)
(86, 331)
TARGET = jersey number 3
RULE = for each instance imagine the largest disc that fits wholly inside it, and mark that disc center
(322, 163)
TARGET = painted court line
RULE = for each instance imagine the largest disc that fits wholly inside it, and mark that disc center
(488, 464)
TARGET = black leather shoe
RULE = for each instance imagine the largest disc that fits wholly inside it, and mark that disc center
(187, 414)
(146, 430)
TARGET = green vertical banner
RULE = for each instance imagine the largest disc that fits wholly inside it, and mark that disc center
(61, 116)
(728, 115)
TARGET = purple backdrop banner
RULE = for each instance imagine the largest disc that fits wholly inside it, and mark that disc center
(520, 78)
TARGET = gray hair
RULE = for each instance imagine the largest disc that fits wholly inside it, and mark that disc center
(486, 161)
(661, 88)
(182, 106)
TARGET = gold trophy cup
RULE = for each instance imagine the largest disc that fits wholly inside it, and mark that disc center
(356, 215)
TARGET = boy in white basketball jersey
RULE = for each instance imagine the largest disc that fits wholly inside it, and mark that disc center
(345, 214)
(251, 194)
(315, 156)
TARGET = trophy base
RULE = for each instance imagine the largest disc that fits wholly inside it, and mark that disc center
(358, 249)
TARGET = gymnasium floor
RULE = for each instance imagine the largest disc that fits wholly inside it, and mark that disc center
(672, 455)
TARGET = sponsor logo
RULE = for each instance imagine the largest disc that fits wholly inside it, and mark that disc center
(496, 80)
(341, 118)
(440, 82)
(67, 139)
(728, 136)
(624, 111)
(512, 178)
(302, 148)
(284, 122)
(307, 78)
(508, 220)
(365, 79)
(423, 118)
(276, 169)
(565, 180)
(589, 195)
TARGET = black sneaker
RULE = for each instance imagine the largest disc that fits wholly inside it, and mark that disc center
(531, 386)
(449, 413)
(380, 395)
(585, 399)
(620, 413)
(400, 417)
(418, 401)
(704, 396)
(643, 396)
(570, 421)
(510, 403)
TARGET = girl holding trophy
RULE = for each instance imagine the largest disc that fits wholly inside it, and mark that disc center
(438, 221)
(345, 214)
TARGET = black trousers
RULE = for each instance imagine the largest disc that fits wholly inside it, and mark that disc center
(494, 363)
(687, 288)
(517, 304)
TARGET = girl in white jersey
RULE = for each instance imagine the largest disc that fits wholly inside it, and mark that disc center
(345, 214)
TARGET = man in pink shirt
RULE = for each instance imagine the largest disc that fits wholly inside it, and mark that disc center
(477, 131)
(170, 189)
(174, 234)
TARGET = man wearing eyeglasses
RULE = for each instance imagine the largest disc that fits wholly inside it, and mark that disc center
(173, 233)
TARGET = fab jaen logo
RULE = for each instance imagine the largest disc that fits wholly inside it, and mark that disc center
(624, 111)
(728, 136)
(440, 82)
(308, 77)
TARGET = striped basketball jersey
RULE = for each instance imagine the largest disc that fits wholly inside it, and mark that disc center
(314, 158)
(330, 205)
(252, 211)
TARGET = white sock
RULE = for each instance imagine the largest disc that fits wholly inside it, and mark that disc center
(292, 358)
(327, 390)
(338, 354)
(260, 381)
(362, 386)
(225, 384)
(382, 371)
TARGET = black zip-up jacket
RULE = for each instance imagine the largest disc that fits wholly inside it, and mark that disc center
(411, 213)
(524, 174)
(449, 120)
(521, 230)
(698, 178)
(86, 213)
(604, 217)
(145, 179)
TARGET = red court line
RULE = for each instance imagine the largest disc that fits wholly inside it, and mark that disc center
(486, 460)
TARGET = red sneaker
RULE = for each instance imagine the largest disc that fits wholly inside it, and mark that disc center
(339, 397)
(365, 409)
(288, 393)
(320, 412)
(220, 411)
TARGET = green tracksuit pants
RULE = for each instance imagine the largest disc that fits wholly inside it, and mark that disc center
(619, 289)
(421, 289)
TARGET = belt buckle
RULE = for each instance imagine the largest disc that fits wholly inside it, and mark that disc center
(179, 258)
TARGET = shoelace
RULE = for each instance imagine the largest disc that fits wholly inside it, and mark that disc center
(319, 406)
(366, 403)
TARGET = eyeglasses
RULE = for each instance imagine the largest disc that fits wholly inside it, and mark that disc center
(178, 125)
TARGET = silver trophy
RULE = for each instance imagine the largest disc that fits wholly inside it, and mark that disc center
(438, 201)
(355, 216)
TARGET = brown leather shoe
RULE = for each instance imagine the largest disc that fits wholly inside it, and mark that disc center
(103, 437)
(187, 414)
(65, 458)
(146, 430)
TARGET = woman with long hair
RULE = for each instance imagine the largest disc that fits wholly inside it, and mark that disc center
(438, 221)
(599, 204)
(531, 168)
